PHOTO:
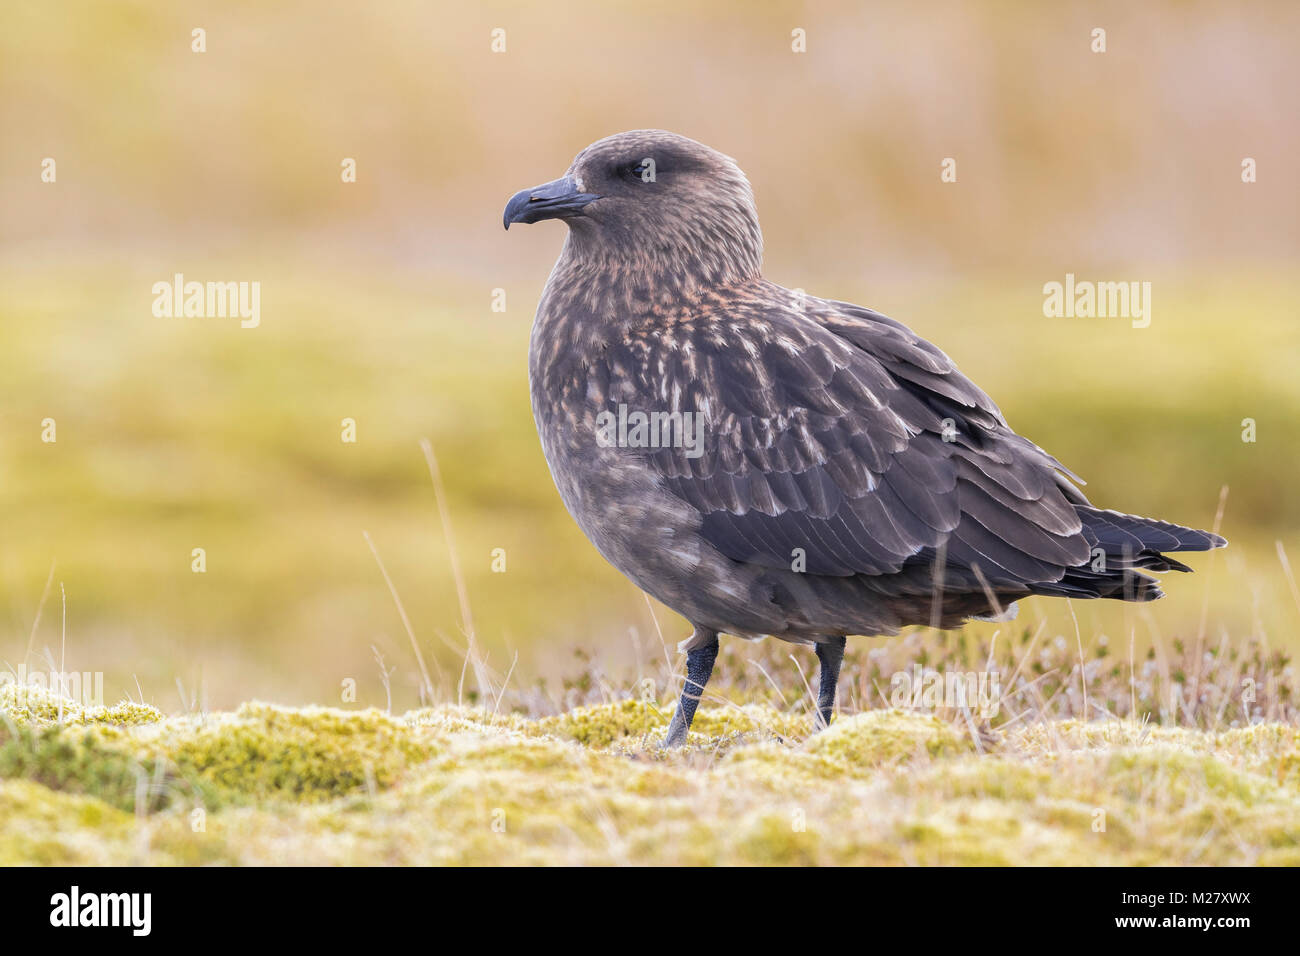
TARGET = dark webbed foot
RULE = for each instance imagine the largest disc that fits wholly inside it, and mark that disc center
(699, 667)
(830, 654)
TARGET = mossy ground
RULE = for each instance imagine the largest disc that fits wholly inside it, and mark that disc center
(460, 785)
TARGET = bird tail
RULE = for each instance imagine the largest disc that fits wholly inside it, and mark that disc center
(1123, 546)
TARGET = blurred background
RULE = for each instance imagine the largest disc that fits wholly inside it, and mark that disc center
(376, 301)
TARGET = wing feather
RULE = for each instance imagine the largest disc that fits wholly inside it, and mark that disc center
(841, 432)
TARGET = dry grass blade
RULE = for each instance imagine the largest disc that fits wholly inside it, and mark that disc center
(1083, 668)
(406, 621)
(439, 492)
(473, 658)
(1290, 576)
(40, 607)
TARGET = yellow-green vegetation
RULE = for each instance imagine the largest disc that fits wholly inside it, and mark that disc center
(462, 785)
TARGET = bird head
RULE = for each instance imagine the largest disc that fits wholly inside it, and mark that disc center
(654, 199)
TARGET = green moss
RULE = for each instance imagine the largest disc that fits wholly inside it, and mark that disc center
(641, 725)
(79, 761)
(457, 785)
(264, 752)
(1288, 770)
(782, 768)
(43, 828)
(773, 840)
(991, 777)
(603, 725)
(884, 737)
(760, 721)
(29, 705)
(1179, 776)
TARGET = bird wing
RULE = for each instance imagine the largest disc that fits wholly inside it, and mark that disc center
(836, 431)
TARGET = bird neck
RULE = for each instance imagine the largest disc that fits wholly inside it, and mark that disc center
(629, 277)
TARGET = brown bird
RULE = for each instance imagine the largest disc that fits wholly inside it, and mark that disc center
(766, 462)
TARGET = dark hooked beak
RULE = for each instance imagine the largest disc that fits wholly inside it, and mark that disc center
(558, 200)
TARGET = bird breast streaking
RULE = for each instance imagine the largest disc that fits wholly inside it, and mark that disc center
(766, 462)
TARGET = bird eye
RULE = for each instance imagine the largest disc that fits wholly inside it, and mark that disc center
(641, 170)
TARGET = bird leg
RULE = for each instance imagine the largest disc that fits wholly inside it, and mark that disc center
(699, 667)
(830, 654)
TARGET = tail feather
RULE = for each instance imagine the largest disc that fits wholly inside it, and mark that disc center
(1115, 531)
(1126, 544)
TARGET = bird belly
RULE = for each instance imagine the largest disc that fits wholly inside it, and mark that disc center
(650, 536)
